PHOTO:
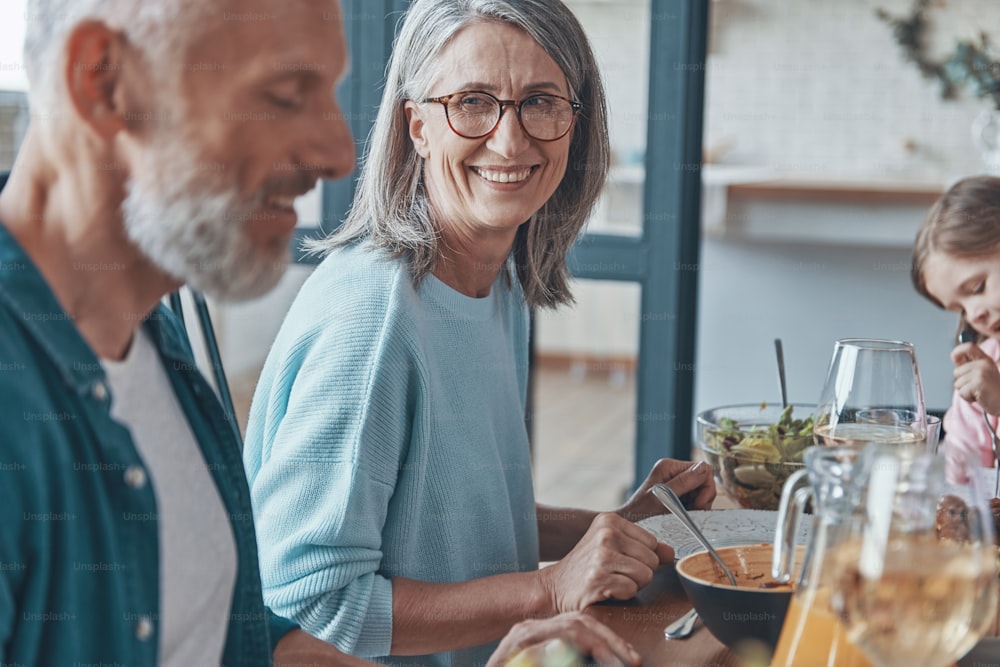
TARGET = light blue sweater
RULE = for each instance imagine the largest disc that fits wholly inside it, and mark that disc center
(387, 438)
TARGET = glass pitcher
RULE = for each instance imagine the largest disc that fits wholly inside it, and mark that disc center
(918, 582)
(812, 635)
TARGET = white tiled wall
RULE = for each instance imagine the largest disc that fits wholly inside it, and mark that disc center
(820, 88)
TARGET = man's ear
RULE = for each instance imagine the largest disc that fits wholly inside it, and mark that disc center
(415, 121)
(94, 76)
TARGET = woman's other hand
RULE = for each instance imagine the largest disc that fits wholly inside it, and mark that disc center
(528, 641)
(694, 484)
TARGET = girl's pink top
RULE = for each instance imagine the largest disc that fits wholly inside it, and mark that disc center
(965, 431)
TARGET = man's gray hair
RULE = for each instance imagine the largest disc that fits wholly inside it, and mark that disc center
(390, 207)
(160, 29)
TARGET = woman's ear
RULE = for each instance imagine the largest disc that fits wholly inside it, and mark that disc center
(415, 121)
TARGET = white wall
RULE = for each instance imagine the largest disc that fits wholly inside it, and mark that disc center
(809, 296)
(11, 38)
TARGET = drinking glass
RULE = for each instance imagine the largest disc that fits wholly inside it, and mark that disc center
(872, 393)
(917, 585)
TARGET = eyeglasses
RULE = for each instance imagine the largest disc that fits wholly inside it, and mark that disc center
(473, 114)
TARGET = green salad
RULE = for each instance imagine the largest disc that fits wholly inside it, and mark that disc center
(752, 459)
(781, 442)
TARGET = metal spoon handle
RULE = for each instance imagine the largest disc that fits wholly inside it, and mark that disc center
(996, 452)
(781, 372)
(670, 500)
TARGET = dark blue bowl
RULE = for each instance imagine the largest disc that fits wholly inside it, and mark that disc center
(736, 615)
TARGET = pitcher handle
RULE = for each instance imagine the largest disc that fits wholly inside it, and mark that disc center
(793, 502)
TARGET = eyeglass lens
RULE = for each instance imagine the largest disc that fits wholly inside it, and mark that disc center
(544, 117)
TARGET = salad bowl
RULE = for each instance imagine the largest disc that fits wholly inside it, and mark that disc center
(754, 448)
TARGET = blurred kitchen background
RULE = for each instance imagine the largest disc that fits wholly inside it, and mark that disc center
(823, 147)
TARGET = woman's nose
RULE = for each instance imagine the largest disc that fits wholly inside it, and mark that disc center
(508, 139)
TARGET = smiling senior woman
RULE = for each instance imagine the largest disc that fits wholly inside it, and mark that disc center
(386, 451)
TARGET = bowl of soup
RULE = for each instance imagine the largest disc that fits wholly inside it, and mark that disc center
(754, 610)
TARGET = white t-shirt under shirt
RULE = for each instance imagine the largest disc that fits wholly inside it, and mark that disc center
(197, 550)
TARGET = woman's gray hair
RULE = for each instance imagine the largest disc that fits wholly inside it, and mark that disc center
(159, 29)
(390, 206)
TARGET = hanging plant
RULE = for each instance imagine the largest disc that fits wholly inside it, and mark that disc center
(970, 65)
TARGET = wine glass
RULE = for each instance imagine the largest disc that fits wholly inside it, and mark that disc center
(918, 584)
(872, 393)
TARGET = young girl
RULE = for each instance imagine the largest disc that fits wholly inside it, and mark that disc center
(956, 264)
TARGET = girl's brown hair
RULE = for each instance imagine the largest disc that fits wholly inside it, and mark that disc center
(963, 222)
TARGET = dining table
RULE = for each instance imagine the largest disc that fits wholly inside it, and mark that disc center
(641, 621)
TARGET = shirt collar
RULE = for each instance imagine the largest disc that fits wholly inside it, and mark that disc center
(31, 302)
(24, 292)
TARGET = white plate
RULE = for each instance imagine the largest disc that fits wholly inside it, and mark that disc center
(723, 528)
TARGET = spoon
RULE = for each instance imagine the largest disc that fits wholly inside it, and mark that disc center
(670, 500)
(781, 372)
(682, 627)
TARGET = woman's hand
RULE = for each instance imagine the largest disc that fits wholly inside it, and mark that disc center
(527, 641)
(693, 484)
(614, 559)
(977, 379)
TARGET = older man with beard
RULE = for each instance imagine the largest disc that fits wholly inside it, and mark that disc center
(168, 142)
(157, 154)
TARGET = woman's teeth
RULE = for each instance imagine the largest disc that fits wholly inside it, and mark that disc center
(503, 176)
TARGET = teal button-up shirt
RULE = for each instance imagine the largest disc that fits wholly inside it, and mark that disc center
(79, 542)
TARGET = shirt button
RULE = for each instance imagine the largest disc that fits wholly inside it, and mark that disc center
(99, 391)
(143, 629)
(135, 477)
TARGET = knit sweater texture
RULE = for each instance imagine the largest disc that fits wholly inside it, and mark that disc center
(386, 438)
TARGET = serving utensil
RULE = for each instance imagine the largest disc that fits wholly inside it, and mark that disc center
(682, 627)
(968, 335)
(670, 500)
(781, 372)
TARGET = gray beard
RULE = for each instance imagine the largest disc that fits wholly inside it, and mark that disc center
(192, 224)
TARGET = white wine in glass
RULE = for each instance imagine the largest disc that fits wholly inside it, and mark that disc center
(872, 393)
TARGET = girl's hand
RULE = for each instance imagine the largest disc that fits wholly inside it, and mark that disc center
(977, 379)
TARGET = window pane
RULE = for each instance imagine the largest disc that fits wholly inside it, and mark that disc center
(619, 34)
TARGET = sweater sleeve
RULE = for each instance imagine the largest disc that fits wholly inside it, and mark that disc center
(329, 427)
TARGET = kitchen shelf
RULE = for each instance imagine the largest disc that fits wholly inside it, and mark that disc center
(918, 194)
